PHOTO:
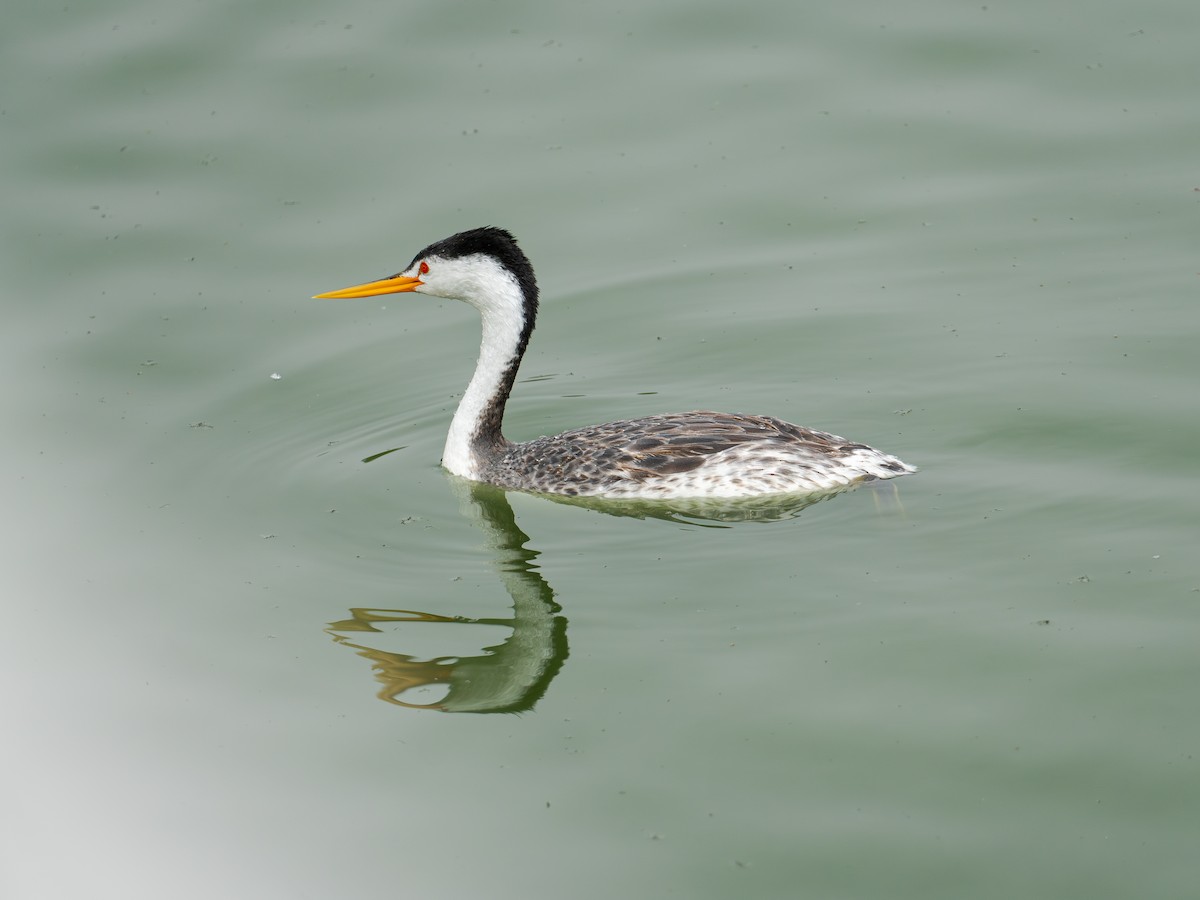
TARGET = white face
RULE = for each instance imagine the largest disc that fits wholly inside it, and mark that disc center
(478, 280)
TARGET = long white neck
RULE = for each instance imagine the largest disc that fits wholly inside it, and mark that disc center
(475, 434)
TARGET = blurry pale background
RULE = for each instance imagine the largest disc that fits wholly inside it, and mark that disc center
(965, 233)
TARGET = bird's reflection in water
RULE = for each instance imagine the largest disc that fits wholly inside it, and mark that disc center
(508, 677)
(514, 674)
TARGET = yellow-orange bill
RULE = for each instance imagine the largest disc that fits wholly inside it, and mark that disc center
(394, 285)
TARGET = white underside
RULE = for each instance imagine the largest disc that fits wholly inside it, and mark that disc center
(740, 472)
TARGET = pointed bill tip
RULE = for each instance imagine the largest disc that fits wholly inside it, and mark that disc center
(395, 285)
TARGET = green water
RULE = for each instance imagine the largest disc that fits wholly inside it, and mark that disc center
(964, 233)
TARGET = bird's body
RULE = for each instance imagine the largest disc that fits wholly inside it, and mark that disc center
(692, 454)
(681, 455)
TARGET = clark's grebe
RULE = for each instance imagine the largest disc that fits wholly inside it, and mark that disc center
(693, 454)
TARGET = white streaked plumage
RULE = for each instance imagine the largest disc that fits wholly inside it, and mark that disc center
(696, 454)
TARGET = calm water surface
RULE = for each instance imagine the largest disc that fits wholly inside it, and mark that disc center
(964, 234)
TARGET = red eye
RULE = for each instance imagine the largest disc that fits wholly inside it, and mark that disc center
(423, 268)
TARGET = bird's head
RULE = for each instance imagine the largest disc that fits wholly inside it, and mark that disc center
(484, 267)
